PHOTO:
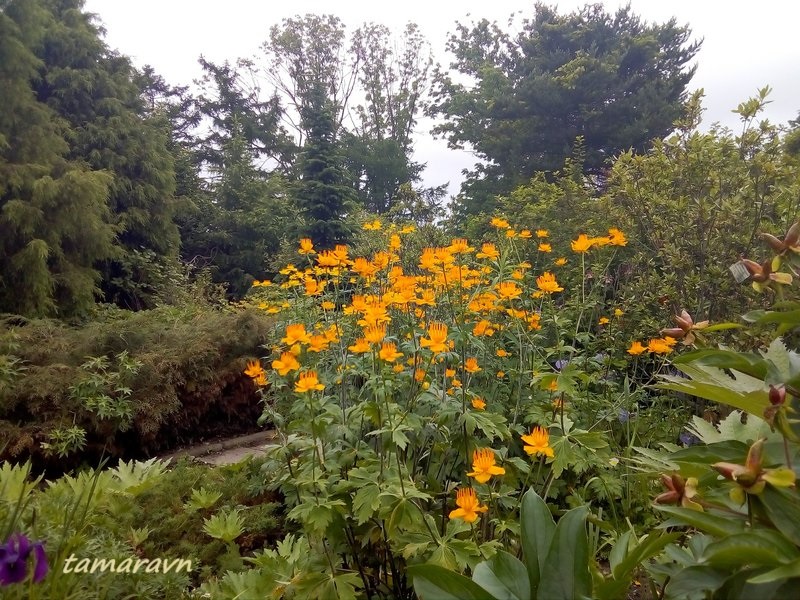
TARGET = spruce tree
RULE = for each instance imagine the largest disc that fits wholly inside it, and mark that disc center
(323, 197)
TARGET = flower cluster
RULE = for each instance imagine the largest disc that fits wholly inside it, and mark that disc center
(16, 555)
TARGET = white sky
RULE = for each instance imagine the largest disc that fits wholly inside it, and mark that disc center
(747, 45)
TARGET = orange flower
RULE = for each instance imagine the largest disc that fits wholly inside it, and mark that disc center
(389, 352)
(582, 244)
(538, 442)
(499, 223)
(502, 353)
(636, 348)
(394, 242)
(483, 327)
(254, 369)
(471, 365)
(307, 381)
(560, 262)
(661, 345)
(460, 246)
(617, 237)
(287, 362)
(318, 343)
(483, 465)
(508, 290)
(468, 506)
(419, 375)
(603, 321)
(296, 333)
(542, 233)
(437, 338)
(478, 404)
(545, 248)
(373, 225)
(548, 284)
(489, 251)
(361, 346)
(375, 334)
(306, 246)
(525, 234)
(327, 305)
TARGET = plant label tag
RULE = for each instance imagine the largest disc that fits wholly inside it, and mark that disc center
(739, 272)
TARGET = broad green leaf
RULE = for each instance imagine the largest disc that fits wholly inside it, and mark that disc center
(782, 506)
(647, 548)
(695, 583)
(432, 582)
(504, 576)
(758, 547)
(365, 502)
(744, 362)
(711, 524)
(566, 573)
(538, 528)
(788, 571)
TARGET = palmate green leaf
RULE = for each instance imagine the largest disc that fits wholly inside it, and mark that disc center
(740, 391)
(432, 582)
(538, 528)
(504, 576)
(566, 575)
(366, 501)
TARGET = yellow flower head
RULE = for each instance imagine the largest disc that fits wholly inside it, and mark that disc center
(508, 290)
(327, 305)
(296, 333)
(483, 465)
(499, 223)
(560, 262)
(538, 442)
(437, 338)
(603, 321)
(618, 312)
(582, 244)
(545, 247)
(548, 284)
(483, 327)
(306, 246)
(525, 234)
(468, 506)
(389, 352)
(287, 362)
(488, 250)
(308, 381)
(375, 334)
(542, 233)
(661, 345)
(373, 225)
(478, 404)
(636, 348)
(360, 347)
(460, 246)
(318, 343)
(617, 237)
(502, 353)
(254, 369)
(471, 365)
(419, 375)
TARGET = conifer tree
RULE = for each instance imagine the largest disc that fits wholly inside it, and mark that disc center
(53, 211)
(323, 197)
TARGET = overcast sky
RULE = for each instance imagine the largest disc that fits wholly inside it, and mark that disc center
(746, 46)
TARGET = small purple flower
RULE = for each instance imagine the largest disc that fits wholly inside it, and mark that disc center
(688, 439)
(14, 555)
(561, 363)
(624, 416)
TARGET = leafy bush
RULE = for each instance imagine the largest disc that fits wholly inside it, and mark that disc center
(126, 384)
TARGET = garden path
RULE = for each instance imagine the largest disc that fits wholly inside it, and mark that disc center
(227, 451)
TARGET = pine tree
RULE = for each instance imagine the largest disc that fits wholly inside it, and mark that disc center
(53, 211)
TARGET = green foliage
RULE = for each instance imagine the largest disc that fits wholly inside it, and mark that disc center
(610, 79)
(127, 382)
